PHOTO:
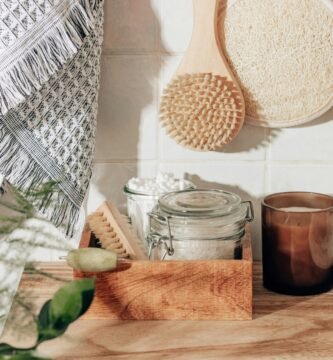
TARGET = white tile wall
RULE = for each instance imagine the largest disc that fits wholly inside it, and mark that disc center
(144, 42)
(127, 122)
(129, 25)
(175, 19)
(308, 143)
(109, 179)
(300, 177)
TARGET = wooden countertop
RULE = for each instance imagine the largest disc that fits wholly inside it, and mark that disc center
(284, 327)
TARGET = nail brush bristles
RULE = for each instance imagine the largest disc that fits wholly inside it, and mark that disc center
(201, 111)
(105, 234)
(114, 233)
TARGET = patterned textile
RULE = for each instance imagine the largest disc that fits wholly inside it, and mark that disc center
(49, 75)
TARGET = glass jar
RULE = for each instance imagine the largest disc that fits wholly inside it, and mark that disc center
(198, 224)
(140, 204)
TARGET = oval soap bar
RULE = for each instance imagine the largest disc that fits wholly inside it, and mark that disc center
(92, 260)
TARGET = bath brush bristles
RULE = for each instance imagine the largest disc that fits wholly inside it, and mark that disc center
(201, 111)
(112, 232)
(202, 108)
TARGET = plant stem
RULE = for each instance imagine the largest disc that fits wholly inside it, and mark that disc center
(32, 270)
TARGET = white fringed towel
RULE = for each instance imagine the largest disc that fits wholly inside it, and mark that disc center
(49, 75)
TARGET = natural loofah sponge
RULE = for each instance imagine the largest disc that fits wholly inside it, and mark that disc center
(282, 54)
(202, 111)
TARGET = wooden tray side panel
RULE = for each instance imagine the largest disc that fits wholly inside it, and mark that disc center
(246, 247)
(193, 290)
(174, 290)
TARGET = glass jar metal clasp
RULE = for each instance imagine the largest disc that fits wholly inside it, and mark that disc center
(157, 241)
(250, 212)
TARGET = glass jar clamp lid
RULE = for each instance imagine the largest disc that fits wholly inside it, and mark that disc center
(197, 224)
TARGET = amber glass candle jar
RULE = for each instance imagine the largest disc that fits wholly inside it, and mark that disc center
(297, 239)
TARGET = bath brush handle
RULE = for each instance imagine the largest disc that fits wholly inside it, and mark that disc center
(203, 53)
(204, 25)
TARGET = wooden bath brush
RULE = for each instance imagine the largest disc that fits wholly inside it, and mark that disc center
(202, 108)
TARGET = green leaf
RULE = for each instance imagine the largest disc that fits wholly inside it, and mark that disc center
(8, 352)
(43, 317)
(23, 355)
(6, 349)
(49, 333)
(68, 304)
(46, 329)
(87, 288)
(9, 223)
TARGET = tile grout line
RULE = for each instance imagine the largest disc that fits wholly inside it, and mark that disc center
(236, 162)
(157, 103)
(157, 49)
(130, 52)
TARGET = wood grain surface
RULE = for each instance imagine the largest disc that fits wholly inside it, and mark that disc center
(284, 327)
(204, 52)
(175, 290)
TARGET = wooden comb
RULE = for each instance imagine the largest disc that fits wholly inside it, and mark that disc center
(202, 108)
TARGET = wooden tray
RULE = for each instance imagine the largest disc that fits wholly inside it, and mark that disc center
(174, 290)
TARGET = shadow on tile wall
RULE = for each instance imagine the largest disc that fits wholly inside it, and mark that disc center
(250, 138)
(127, 119)
(328, 116)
